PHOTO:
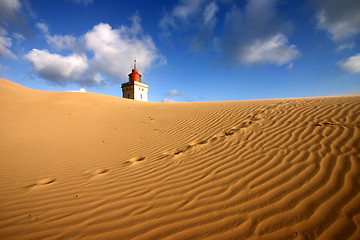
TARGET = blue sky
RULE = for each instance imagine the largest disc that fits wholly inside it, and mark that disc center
(187, 50)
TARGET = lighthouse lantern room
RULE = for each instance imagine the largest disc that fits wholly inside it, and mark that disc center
(135, 89)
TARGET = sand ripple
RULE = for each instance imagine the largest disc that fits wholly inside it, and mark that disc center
(114, 169)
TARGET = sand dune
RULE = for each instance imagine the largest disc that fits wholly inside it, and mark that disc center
(89, 166)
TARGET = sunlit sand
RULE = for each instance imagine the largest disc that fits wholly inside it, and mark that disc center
(89, 166)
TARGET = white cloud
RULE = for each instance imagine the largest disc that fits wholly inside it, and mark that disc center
(168, 100)
(209, 12)
(13, 17)
(14, 14)
(290, 66)
(57, 68)
(111, 51)
(113, 48)
(19, 36)
(187, 8)
(189, 15)
(43, 27)
(345, 46)
(10, 5)
(352, 64)
(60, 42)
(9, 9)
(341, 19)
(3, 31)
(5, 44)
(80, 90)
(57, 42)
(178, 95)
(274, 50)
(175, 92)
(255, 35)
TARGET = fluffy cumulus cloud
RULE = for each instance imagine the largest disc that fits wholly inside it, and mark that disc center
(113, 48)
(60, 42)
(250, 39)
(276, 49)
(341, 19)
(253, 34)
(352, 64)
(111, 51)
(56, 68)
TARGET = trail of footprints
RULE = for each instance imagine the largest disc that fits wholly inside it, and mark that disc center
(247, 123)
(171, 153)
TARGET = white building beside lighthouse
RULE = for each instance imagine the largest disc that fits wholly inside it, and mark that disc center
(135, 89)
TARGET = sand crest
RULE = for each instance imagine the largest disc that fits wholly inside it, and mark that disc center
(88, 166)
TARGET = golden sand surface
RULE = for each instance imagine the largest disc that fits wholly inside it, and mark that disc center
(89, 166)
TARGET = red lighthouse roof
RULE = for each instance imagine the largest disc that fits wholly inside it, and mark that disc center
(134, 76)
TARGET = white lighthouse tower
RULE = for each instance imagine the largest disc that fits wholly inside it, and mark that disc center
(135, 89)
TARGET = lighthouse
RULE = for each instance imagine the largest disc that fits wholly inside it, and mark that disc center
(135, 89)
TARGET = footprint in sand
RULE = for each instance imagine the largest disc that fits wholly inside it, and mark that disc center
(232, 131)
(31, 217)
(96, 172)
(217, 136)
(101, 171)
(45, 181)
(238, 127)
(197, 142)
(254, 117)
(135, 160)
(324, 124)
(178, 151)
(175, 151)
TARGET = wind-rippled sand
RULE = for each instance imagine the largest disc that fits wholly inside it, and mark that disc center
(89, 166)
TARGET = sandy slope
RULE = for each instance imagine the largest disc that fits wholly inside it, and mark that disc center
(88, 166)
